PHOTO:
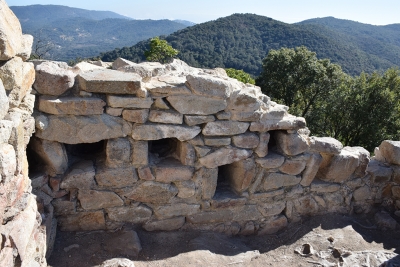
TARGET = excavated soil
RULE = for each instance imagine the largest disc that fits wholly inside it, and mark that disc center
(329, 240)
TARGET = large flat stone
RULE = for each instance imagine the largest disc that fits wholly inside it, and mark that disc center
(224, 156)
(274, 225)
(271, 161)
(278, 180)
(291, 144)
(136, 115)
(83, 221)
(110, 82)
(311, 170)
(171, 170)
(116, 178)
(81, 129)
(152, 192)
(192, 120)
(157, 131)
(128, 102)
(71, 105)
(246, 140)
(161, 116)
(175, 210)
(130, 214)
(165, 225)
(94, 200)
(51, 79)
(390, 151)
(10, 32)
(80, 176)
(286, 123)
(293, 166)
(211, 217)
(210, 86)
(196, 105)
(224, 128)
(327, 145)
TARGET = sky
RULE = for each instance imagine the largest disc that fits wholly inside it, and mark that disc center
(376, 12)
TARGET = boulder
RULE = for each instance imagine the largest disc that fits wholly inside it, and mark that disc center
(159, 103)
(8, 164)
(262, 149)
(240, 174)
(379, 172)
(390, 151)
(140, 154)
(246, 140)
(80, 129)
(10, 33)
(26, 47)
(327, 145)
(186, 153)
(293, 166)
(116, 178)
(51, 79)
(128, 102)
(223, 156)
(311, 170)
(271, 161)
(186, 189)
(157, 131)
(278, 180)
(198, 119)
(210, 86)
(286, 123)
(222, 215)
(196, 105)
(6, 128)
(108, 81)
(272, 209)
(95, 200)
(291, 144)
(223, 128)
(121, 62)
(71, 105)
(217, 141)
(145, 69)
(206, 179)
(136, 115)
(80, 176)
(160, 116)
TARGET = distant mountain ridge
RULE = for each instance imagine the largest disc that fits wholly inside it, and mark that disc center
(241, 41)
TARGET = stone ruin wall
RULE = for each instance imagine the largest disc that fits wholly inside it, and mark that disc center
(163, 147)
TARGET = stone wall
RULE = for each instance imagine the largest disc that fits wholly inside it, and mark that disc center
(22, 228)
(169, 147)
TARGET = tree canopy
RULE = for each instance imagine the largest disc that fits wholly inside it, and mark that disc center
(160, 51)
(240, 75)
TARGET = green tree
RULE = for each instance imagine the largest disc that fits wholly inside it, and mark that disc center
(240, 75)
(160, 51)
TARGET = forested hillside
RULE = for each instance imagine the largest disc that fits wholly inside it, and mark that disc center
(241, 41)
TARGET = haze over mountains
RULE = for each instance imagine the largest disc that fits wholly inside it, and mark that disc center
(238, 41)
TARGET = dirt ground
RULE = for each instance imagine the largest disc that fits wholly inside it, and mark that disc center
(330, 240)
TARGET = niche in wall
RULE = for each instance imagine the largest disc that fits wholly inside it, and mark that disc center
(86, 150)
(163, 148)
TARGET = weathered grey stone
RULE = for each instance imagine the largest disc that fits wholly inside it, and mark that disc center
(212, 86)
(118, 152)
(262, 149)
(5, 130)
(278, 180)
(160, 116)
(272, 209)
(396, 192)
(153, 192)
(22, 87)
(206, 179)
(361, 194)
(145, 69)
(116, 112)
(121, 62)
(363, 160)
(135, 215)
(223, 156)
(224, 199)
(53, 155)
(26, 47)
(52, 79)
(157, 131)
(159, 103)
(287, 123)
(321, 187)
(293, 166)
(390, 151)
(170, 171)
(116, 178)
(196, 105)
(274, 225)
(267, 195)
(83, 221)
(306, 205)
(192, 120)
(80, 176)
(291, 144)
(10, 33)
(311, 169)
(224, 115)
(85, 67)
(146, 174)
(8, 164)
(202, 151)
(217, 141)
(81, 129)
(246, 140)
(271, 161)
(186, 189)
(4, 103)
(110, 82)
(63, 206)
(137, 115)
(118, 262)
(379, 172)
(395, 176)
(175, 210)
(163, 86)
(128, 102)
(71, 105)
(211, 217)
(94, 200)
(241, 174)
(186, 153)
(219, 128)
(165, 225)
(327, 145)
(140, 154)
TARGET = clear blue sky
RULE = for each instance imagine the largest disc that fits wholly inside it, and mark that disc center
(377, 12)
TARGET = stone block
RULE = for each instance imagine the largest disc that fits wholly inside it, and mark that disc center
(202, 151)
(273, 225)
(157, 131)
(321, 187)
(161, 116)
(223, 128)
(224, 115)
(362, 194)
(246, 140)
(192, 120)
(311, 170)
(80, 176)
(71, 105)
(26, 47)
(110, 82)
(196, 105)
(80, 129)
(390, 151)
(272, 209)
(396, 192)
(140, 154)
(306, 206)
(118, 152)
(5, 131)
(291, 144)
(225, 199)
(4, 103)
(94, 200)
(136, 115)
(82, 221)
(206, 179)
(210, 86)
(267, 195)
(10, 33)
(116, 178)
(207, 217)
(121, 62)
(52, 154)
(395, 176)
(278, 180)
(271, 161)
(293, 166)
(129, 102)
(170, 171)
(287, 123)
(217, 141)
(175, 210)
(363, 160)
(262, 149)
(159, 103)
(327, 145)
(241, 174)
(186, 189)
(152, 192)
(248, 213)
(165, 225)
(223, 156)
(8, 163)
(186, 153)
(379, 172)
(51, 79)
(63, 206)
(146, 174)
(131, 214)
(116, 112)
